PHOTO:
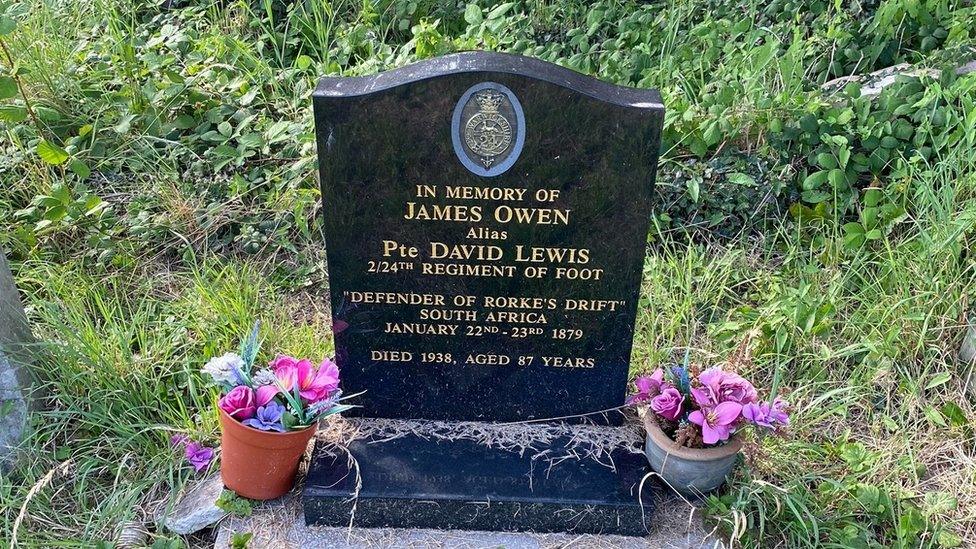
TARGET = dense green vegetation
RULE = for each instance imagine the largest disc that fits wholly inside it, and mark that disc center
(157, 192)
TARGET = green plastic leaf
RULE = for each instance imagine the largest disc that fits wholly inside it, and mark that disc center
(8, 87)
(51, 154)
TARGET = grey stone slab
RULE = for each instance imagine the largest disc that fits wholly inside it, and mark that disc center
(15, 379)
(281, 525)
(196, 509)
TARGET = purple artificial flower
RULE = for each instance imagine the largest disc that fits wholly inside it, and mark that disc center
(647, 387)
(735, 388)
(718, 386)
(268, 418)
(765, 415)
(716, 423)
(778, 412)
(199, 455)
(668, 403)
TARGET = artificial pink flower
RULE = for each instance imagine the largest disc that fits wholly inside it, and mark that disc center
(718, 386)
(239, 403)
(735, 388)
(313, 385)
(668, 403)
(716, 423)
(647, 387)
(264, 394)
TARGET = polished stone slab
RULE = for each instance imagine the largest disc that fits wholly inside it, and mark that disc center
(486, 219)
(413, 481)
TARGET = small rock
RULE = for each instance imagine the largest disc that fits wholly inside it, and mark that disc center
(197, 509)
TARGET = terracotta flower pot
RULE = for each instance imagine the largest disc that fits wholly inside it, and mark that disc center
(691, 471)
(259, 464)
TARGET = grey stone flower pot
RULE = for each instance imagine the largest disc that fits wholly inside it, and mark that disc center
(691, 471)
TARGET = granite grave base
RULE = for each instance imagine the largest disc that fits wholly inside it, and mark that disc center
(415, 480)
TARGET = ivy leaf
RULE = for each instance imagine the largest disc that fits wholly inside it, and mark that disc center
(50, 153)
(8, 87)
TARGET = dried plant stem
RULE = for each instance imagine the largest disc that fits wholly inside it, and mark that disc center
(38, 486)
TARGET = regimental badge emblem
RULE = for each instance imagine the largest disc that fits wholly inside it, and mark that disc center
(488, 133)
(488, 129)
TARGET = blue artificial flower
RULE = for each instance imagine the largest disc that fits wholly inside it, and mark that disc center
(267, 418)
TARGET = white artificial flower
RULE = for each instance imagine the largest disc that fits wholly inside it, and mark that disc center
(264, 377)
(221, 368)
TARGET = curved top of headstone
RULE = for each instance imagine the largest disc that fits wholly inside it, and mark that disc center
(483, 61)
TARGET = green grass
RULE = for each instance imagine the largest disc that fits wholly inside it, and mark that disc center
(201, 210)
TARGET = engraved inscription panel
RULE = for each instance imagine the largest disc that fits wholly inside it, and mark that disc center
(485, 233)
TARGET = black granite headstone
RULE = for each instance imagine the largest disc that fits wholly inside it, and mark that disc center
(486, 220)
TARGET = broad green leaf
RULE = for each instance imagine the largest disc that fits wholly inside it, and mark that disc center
(935, 416)
(80, 168)
(8, 87)
(742, 179)
(938, 380)
(303, 62)
(472, 14)
(50, 153)
(7, 25)
(500, 10)
(872, 196)
(814, 180)
(12, 114)
(955, 414)
(226, 151)
(837, 178)
(694, 189)
(826, 161)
